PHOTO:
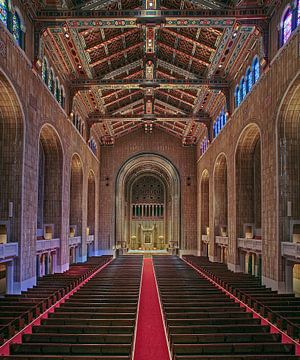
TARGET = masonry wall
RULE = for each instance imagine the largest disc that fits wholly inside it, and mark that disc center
(40, 108)
(260, 107)
(161, 143)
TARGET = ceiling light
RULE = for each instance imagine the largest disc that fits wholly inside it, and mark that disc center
(67, 35)
(220, 65)
(79, 67)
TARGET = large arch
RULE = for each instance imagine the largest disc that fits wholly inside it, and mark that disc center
(157, 166)
(204, 213)
(91, 203)
(12, 131)
(248, 194)
(220, 205)
(76, 196)
(11, 161)
(288, 149)
(50, 184)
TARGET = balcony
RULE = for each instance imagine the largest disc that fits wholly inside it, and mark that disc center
(46, 245)
(8, 250)
(291, 250)
(74, 241)
(252, 245)
(222, 240)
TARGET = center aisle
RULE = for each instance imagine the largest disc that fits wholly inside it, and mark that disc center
(151, 343)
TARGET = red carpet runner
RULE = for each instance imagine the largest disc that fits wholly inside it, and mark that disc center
(151, 343)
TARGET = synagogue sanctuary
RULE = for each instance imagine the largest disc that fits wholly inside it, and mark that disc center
(150, 179)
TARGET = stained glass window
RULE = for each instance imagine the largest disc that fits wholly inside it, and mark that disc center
(287, 25)
(248, 80)
(62, 97)
(298, 21)
(243, 89)
(237, 96)
(255, 70)
(16, 28)
(3, 11)
(50, 81)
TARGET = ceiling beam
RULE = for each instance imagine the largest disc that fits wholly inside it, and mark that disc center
(213, 83)
(100, 118)
(123, 69)
(219, 18)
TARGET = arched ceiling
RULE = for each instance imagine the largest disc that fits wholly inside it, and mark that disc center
(145, 63)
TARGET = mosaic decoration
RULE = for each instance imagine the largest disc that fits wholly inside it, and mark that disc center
(84, 56)
(102, 23)
(190, 22)
(244, 36)
(219, 53)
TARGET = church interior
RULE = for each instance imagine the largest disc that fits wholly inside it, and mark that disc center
(150, 179)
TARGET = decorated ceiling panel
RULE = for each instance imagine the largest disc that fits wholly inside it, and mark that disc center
(156, 52)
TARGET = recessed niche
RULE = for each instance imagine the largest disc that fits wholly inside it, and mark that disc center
(3, 234)
(248, 231)
(72, 230)
(296, 233)
(223, 231)
(48, 231)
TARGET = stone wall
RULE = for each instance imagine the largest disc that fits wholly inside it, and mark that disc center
(256, 116)
(161, 143)
(39, 108)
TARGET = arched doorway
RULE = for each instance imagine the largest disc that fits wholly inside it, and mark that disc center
(221, 207)
(148, 205)
(11, 170)
(76, 189)
(248, 195)
(204, 220)
(91, 216)
(75, 219)
(49, 214)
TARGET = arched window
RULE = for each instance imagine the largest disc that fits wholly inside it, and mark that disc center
(255, 70)
(248, 80)
(243, 89)
(51, 80)
(45, 72)
(16, 28)
(3, 11)
(237, 96)
(287, 25)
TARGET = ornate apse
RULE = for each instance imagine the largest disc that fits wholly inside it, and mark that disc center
(148, 204)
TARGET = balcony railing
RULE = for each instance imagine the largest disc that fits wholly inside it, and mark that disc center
(8, 250)
(75, 240)
(222, 240)
(46, 245)
(250, 244)
(291, 250)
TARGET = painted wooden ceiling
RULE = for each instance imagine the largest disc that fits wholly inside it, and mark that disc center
(127, 76)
